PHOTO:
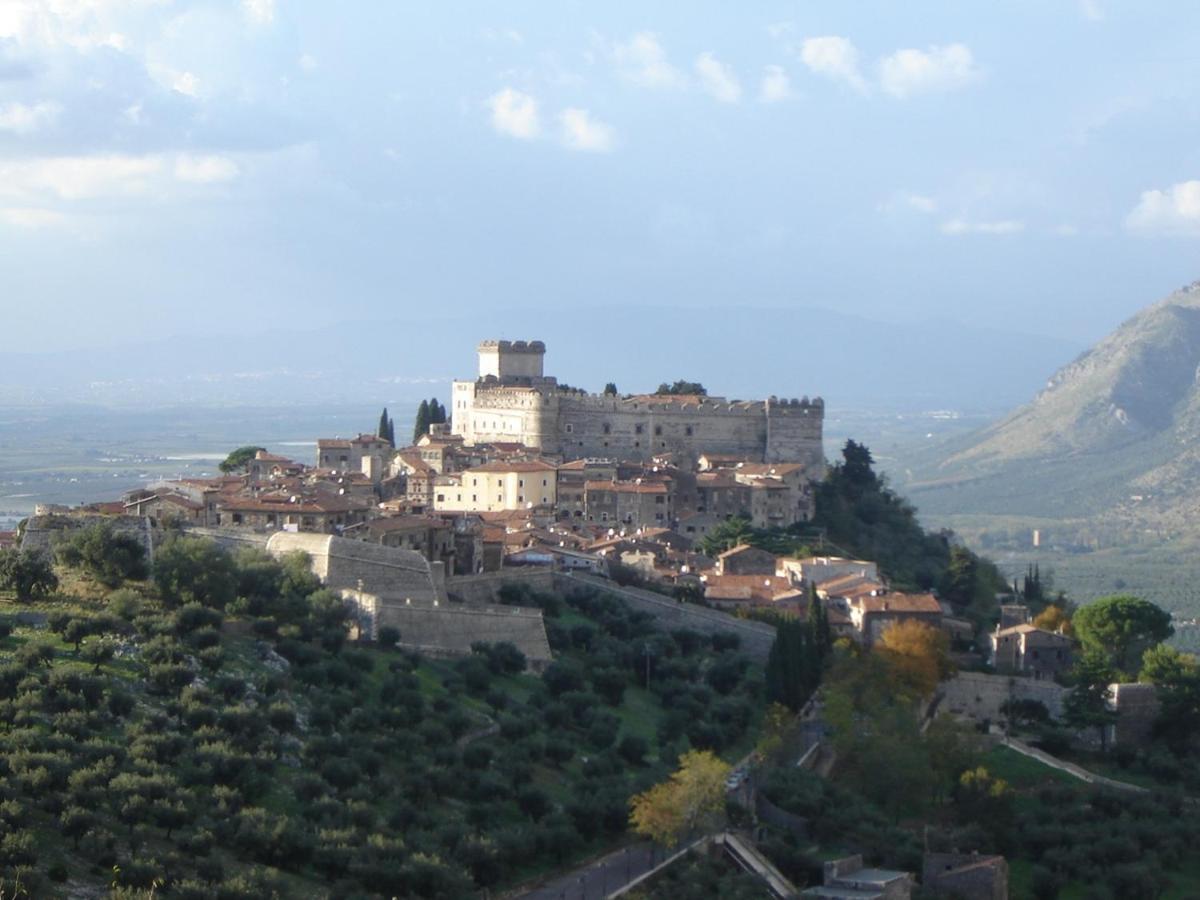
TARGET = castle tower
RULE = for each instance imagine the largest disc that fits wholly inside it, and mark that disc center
(510, 360)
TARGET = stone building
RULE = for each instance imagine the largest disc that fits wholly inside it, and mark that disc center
(872, 615)
(964, 876)
(513, 400)
(389, 587)
(635, 503)
(1028, 650)
(746, 560)
(849, 879)
(367, 453)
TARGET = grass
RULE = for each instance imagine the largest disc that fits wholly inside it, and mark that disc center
(1022, 772)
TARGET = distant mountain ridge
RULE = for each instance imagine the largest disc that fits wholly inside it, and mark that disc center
(736, 351)
(1113, 433)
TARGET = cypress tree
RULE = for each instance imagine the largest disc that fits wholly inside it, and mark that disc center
(385, 429)
(421, 426)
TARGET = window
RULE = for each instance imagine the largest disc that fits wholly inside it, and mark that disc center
(638, 429)
(658, 431)
(607, 430)
(570, 428)
(520, 498)
(543, 482)
(441, 498)
(520, 482)
(688, 431)
(660, 499)
(474, 498)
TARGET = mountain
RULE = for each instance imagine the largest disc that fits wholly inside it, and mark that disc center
(736, 351)
(1112, 435)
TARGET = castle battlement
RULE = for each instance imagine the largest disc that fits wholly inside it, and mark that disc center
(513, 400)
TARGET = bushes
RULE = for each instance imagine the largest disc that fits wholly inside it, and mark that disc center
(109, 556)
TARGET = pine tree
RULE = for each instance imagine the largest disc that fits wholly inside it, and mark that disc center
(421, 426)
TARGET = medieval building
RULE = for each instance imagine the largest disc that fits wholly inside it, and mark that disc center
(513, 400)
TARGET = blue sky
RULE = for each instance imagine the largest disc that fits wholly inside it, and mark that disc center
(171, 167)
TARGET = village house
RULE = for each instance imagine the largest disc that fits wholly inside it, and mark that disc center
(367, 453)
(497, 486)
(745, 560)
(849, 879)
(1028, 650)
(872, 615)
(635, 503)
(572, 483)
(430, 536)
(964, 876)
(817, 569)
(269, 466)
(321, 513)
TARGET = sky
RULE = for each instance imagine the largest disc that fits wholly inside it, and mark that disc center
(172, 167)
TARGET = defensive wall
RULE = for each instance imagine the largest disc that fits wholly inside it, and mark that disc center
(756, 637)
(980, 696)
(512, 400)
(40, 533)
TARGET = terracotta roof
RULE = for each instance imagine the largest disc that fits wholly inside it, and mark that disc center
(777, 469)
(896, 602)
(755, 587)
(742, 548)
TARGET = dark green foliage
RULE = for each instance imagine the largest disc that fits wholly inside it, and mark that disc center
(388, 636)
(26, 573)
(386, 428)
(109, 556)
(794, 665)
(195, 570)
(430, 412)
(237, 460)
(861, 515)
(610, 389)
(1121, 629)
(682, 387)
(1086, 706)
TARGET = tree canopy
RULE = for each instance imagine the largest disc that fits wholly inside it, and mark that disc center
(237, 460)
(674, 808)
(1122, 628)
(682, 387)
(107, 555)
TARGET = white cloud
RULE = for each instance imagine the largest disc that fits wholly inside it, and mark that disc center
(920, 203)
(186, 83)
(1091, 10)
(79, 177)
(205, 169)
(643, 61)
(963, 226)
(261, 12)
(1175, 210)
(775, 85)
(581, 132)
(778, 30)
(718, 79)
(908, 72)
(30, 217)
(515, 114)
(834, 57)
(21, 119)
(307, 62)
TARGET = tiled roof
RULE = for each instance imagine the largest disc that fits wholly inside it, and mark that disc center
(896, 602)
(533, 465)
(626, 487)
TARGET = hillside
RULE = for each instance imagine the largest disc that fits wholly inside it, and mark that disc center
(236, 746)
(1105, 458)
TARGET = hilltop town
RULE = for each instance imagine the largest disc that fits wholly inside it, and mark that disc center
(550, 599)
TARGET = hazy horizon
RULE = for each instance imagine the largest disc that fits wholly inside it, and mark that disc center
(175, 168)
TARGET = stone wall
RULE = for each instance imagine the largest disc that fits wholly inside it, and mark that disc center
(41, 532)
(980, 696)
(756, 637)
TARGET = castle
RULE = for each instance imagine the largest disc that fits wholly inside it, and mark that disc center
(512, 400)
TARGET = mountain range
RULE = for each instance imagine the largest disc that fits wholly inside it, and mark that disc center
(737, 352)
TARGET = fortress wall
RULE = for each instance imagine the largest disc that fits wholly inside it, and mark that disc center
(795, 433)
(980, 696)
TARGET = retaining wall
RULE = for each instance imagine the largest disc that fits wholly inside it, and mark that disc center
(980, 696)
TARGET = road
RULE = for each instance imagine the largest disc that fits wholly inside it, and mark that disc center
(602, 877)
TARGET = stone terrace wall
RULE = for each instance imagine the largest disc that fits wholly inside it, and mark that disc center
(980, 696)
(41, 532)
(757, 637)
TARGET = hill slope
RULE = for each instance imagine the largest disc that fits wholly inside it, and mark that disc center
(1112, 432)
